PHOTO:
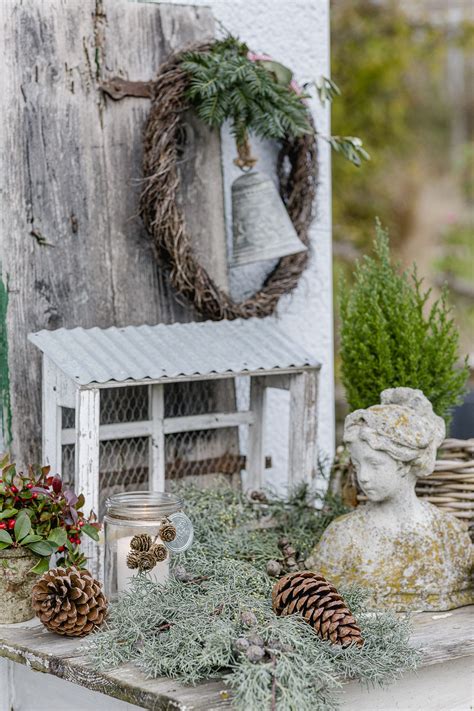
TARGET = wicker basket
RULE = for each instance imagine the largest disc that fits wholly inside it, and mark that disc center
(451, 485)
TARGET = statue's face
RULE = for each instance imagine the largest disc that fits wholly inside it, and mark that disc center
(377, 472)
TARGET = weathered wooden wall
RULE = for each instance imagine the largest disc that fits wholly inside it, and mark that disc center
(73, 251)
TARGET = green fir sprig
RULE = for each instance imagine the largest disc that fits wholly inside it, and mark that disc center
(257, 96)
(224, 84)
(217, 621)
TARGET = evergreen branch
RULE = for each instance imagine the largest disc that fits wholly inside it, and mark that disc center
(388, 340)
(191, 630)
(350, 147)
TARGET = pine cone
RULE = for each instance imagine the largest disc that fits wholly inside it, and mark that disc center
(159, 552)
(290, 555)
(146, 561)
(167, 532)
(133, 560)
(69, 601)
(141, 542)
(320, 604)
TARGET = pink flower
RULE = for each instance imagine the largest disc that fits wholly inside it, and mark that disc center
(258, 57)
(262, 57)
(296, 87)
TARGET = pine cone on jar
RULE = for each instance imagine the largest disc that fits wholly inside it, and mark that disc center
(141, 542)
(69, 601)
(320, 604)
(167, 531)
(159, 552)
(146, 561)
(133, 560)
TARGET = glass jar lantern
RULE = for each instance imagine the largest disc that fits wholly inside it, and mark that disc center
(141, 512)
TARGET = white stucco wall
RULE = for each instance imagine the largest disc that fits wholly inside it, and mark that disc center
(295, 32)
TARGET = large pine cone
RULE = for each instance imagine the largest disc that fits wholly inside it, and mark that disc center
(320, 604)
(69, 601)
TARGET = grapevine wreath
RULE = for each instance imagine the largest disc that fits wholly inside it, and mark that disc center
(223, 80)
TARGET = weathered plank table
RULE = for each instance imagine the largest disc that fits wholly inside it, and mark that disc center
(442, 638)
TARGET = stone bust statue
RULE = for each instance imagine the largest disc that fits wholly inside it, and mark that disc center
(409, 554)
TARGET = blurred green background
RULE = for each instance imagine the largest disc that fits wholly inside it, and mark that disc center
(406, 75)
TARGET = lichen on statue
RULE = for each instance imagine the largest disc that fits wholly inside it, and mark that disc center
(409, 554)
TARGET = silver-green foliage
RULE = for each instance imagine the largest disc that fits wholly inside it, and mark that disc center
(188, 631)
(391, 336)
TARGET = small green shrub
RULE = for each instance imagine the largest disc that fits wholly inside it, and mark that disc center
(391, 338)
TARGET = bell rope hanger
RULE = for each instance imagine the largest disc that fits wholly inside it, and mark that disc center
(297, 170)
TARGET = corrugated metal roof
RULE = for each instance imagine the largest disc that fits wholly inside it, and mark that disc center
(98, 355)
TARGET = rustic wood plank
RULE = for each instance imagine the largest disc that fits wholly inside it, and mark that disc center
(157, 465)
(442, 637)
(86, 473)
(72, 249)
(303, 427)
(256, 454)
(51, 433)
(208, 421)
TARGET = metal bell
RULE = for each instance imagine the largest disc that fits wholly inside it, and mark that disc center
(261, 226)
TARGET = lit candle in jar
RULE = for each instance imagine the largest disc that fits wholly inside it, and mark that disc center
(143, 514)
(159, 574)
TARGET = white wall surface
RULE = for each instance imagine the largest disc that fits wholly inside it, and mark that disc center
(296, 33)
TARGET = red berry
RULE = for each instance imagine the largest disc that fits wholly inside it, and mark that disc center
(72, 539)
(60, 549)
(80, 524)
(34, 495)
(14, 489)
(3, 524)
(29, 485)
(11, 523)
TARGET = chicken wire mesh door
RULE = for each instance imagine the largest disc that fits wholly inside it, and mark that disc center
(127, 409)
(124, 461)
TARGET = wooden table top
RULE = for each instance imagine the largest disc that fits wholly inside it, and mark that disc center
(440, 636)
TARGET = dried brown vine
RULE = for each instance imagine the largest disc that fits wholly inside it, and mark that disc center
(164, 220)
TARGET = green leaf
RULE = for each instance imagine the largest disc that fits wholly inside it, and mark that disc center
(41, 566)
(31, 538)
(22, 526)
(42, 548)
(5, 537)
(58, 536)
(8, 513)
(283, 74)
(91, 531)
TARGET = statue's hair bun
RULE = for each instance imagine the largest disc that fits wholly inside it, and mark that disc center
(408, 397)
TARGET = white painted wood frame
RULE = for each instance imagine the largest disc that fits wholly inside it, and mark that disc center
(256, 453)
(51, 431)
(302, 448)
(88, 433)
(86, 480)
(156, 471)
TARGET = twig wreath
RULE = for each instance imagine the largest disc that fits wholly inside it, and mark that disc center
(223, 80)
(165, 220)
